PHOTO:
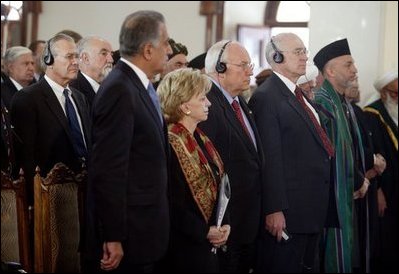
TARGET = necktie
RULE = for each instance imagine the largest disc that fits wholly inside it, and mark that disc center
(155, 100)
(320, 131)
(77, 135)
(237, 110)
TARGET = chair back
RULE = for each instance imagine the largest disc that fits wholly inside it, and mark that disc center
(15, 244)
(57, 202)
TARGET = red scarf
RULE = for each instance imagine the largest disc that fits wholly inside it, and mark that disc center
(195, 166)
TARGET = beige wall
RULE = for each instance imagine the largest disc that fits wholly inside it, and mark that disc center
(370, 26)
(391, 36)
(183, 21)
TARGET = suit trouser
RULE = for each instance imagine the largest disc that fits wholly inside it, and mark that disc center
(298, 255)
(238, 258)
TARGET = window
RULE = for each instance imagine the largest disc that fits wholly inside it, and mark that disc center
(11, 14)
(288, 16)
(11, 10)
(289, 11)
(15, 18)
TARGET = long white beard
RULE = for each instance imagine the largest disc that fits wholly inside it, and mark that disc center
(392, 108)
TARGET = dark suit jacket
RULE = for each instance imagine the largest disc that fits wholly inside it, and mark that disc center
(189, 248)
(8, 90)
(297, 167)
(128, 171)
(81, 84)
(7, 150)
(42, 125)
(242, 161)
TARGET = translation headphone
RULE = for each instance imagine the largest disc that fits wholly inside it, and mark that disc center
(48, 57)
(221, 67)
(278, 57)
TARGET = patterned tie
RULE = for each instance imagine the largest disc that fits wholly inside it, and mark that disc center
(77, 135)
(322, 134)
(155, 100)
(237, 110)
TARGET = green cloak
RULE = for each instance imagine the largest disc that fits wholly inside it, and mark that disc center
(338, 242)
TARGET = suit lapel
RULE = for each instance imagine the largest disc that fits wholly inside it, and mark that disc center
(293, 102)
(304, 115)
(145, 97)
(55, 107)
(231, 117)
(251, 120)
(86, 86)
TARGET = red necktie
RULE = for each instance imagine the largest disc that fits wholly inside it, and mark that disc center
(237, 110)
(322, 134)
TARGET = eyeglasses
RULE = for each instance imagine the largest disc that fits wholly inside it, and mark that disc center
(70, 56)
(297, 52)
(244, 65)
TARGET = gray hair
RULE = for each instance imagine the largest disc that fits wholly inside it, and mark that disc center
(13, 53)
(84, 44)
(277, 41)
(138, 29)
(50, 48)
(212, 56)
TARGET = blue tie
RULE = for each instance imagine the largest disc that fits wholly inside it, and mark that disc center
(77, 135)
(155, 100)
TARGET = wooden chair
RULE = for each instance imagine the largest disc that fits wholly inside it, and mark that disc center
(57, 199)
(15, 244)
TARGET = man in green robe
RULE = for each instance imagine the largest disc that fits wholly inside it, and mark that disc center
(340, 246)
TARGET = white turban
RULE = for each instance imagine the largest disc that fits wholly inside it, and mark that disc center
(385, 79)
(311, 74)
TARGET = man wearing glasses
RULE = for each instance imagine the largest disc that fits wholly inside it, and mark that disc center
(385, 112)
(232, 130)
(50, 117)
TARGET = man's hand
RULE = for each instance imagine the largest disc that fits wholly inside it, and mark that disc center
(225, 230)
(360, 193)
(112, 255)
(275, 223)
(379, 163)
(382, 203)
(371, 173)
(215, 236)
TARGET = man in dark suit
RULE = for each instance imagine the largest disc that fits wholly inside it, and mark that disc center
(232, 130)
(95, 63)
(19, 68)
(296, 180)
(128, 217)
(40, 114)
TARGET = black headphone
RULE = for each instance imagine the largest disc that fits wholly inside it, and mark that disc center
(221, 67)
(48, 57)
(278, 57)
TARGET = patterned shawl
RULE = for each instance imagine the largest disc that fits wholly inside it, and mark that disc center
(195, 166)
(338, 242)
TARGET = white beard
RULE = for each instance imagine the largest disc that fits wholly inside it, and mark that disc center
(392, 108)
(106, 71)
